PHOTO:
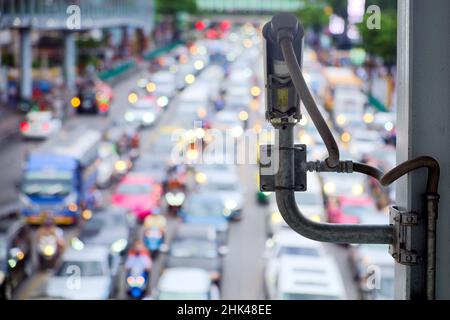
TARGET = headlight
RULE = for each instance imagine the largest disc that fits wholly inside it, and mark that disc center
(231, 204)
(357, 190)
(174, 199)
(119, 245)
(77, 244)
(121, 166)
(341, 120)
(129, 116)
(276, 217)
(237, 131)
(49, 250)
(148, 117)
(329, 188)
(162, 101)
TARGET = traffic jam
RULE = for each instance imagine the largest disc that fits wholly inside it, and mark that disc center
(143, 194)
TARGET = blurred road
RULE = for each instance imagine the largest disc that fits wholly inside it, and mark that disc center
(244, 264)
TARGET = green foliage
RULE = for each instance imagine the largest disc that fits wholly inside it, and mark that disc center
(173, 7)
(382, 42)
(313, 16)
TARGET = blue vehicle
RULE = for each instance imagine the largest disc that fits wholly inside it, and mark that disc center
(137, 283)
(205, 208)
(59, 178)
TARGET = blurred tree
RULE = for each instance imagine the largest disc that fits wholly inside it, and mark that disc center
(313, 15)
(174, 7)
(383, 42)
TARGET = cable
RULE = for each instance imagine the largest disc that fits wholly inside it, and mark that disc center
(305, 95)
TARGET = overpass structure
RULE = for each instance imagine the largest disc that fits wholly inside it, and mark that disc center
(68, 17)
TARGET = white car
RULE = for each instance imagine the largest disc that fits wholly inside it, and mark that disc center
(229, 122)
(186, 284)
(306, 278)
(107, 165)
(144, 111)
(287, 243)
(192, 100)
(338, 184)
(86, 274)
(373, 264)
(227, 187)
(39, 125)
(164, 83)
(364, 142)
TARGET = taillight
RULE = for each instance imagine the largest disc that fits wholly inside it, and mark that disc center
(46, 126)
(24, 126)
(103, 106)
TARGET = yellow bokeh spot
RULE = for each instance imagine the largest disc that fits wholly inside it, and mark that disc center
(132, 97)
(190, 78)
(75, 102)
(200, 178)
(151, 86)
(255, 91)
(368, 118)
(243, 115)
(87, 214)
(346, 137)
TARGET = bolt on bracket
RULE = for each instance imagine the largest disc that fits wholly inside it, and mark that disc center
(403, 221)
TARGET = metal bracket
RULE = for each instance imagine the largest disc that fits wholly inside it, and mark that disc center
(403, 221)
(269, 165)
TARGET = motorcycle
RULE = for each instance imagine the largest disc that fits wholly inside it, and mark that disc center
(153, 239)
(137, 283)
(47, 251)
(175, 199)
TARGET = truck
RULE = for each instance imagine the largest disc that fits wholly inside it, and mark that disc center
(59, 177)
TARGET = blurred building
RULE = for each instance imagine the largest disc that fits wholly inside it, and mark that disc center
(25, 22)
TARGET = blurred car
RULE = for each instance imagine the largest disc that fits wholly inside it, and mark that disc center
(364, 142)
(192, 100)
(108, 159)
(205, 208)
(39, 125)
(306, 278)
(197, 246)
(145, 112)
(287, 243)
(186, 284)
(96, 272)
(349, 209)
(237, 97)
(373, 265)
(164, 84)
(228, 121)
(15, 255)
(111, 227)
(153, 165)
(228, 187)
(335, 184)
(139, 193)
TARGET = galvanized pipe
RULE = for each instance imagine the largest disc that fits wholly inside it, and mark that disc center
(432, 200)
(325, 232)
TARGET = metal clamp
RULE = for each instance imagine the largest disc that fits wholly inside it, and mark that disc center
(269, 165)
(403, 221)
